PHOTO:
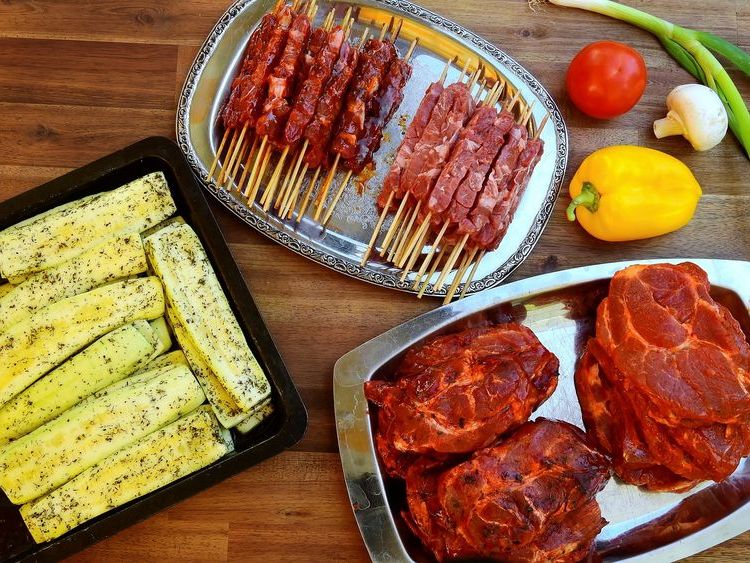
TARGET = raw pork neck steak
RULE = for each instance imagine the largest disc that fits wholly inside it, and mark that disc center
(529, 499)
(458, 393)
(664, 383)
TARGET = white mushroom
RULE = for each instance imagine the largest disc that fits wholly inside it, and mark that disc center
(696, 113)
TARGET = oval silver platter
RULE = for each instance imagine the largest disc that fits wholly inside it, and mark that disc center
(342, 244)
(560, 308)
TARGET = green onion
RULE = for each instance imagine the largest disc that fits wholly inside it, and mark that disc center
(693, 50)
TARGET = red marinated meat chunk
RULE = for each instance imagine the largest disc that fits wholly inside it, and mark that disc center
(459, 392)
(531, 498)
(670, 366)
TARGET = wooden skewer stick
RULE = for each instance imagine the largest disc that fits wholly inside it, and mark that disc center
(399, 235)
(246, 167)
(218, 154)
(407, 233)
(385, 28)
(286, 186)
(435, 265)
(320, 201)
(347, 16)
(451, 262)
(310, 190)
(287, 191)
(529, 112)
(230, 164)
(230, 150)
(473, 273)
(295, 171)
(459, 276)
(273, 183)
(446, 68)
(416, 253)
(254, 171)
(288, 208)
(276, 174)
(541, 127)
(394, 225)
(397, 31)
(412, 242)
(376, 230)
(236, 167)
(463, 71)
(410, 50)
(261, 173)
(430, 254)
(329, 211)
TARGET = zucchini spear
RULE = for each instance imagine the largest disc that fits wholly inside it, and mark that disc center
(63, 233)
(178, 449)
(108, 360)
(85, 435)
(200, 306)
(32, 347)
(116, 259)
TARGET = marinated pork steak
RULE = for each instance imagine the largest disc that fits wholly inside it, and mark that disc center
(664, 384)
(529, 499)
(458, 393)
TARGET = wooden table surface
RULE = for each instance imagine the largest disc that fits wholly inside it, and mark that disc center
(79, 80)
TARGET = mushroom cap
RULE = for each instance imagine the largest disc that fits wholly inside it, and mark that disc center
(701, 113)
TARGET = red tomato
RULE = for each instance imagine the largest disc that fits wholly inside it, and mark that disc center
(606, 79)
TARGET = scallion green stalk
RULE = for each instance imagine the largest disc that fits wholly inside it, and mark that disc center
(693, 50)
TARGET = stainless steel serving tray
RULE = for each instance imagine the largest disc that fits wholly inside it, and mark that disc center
(560, 308)
(343, 243)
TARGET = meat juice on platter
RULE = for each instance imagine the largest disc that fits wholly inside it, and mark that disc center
(668, 318)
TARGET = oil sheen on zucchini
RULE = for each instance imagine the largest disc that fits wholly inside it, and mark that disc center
(33, 346)
(117, 258)
(85, 435)
(106, 361)
(194, 294)
(184, 446)
(62, 233)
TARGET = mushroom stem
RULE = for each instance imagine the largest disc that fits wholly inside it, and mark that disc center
(668, 126)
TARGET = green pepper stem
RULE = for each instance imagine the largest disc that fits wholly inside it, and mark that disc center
(588, 198)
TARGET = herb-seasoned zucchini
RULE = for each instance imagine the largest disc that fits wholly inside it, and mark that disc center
(106, 361)
(163, 339)
(60, 234)
(85, 435)
(255, 419)
(5, 288)
(33, 346)
(179, 449)
(177, 220)
(200, 306)
(224, 406)
(116, 259)
(169, 359)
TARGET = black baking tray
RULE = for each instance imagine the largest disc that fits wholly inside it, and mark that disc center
(282, 430)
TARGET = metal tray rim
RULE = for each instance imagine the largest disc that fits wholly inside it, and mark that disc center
(268, 225)
(362, 362)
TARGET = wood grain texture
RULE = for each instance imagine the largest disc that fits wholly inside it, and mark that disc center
(79, 80)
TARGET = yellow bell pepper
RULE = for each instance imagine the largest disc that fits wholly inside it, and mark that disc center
(628, 193)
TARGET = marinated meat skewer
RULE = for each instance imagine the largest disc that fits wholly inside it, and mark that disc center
(388, 100)
(319, 131)
(253, 87)
(401, 221)
(228, 115)
(467, 166)
(431, 153)
(390, 192)
(465, 160)
(374, 60)
(304, 105)
(528, 160)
